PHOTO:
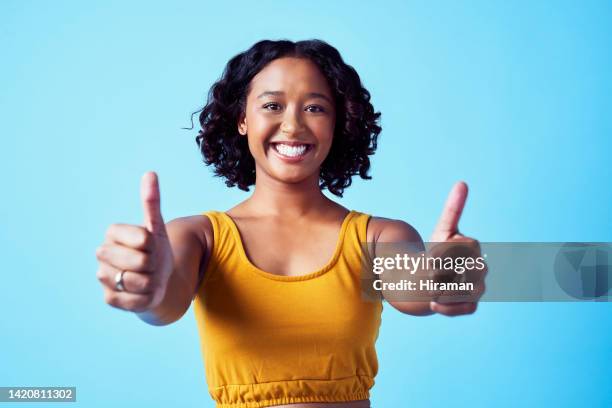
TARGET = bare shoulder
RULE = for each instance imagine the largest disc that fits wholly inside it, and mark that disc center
(381, 229)
(197, 226)
(191, 238)
(398, 232)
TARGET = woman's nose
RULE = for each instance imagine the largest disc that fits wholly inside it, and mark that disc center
(292, 122)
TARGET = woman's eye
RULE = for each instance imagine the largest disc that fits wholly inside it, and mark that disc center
(272, 106)
(315, 109)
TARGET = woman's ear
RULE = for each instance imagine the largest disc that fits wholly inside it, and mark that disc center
(242, 127)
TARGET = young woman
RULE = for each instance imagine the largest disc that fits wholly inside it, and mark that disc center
(276, 279)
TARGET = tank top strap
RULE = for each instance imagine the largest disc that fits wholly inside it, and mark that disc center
(223, 246)
(357, 228)
(354, 243)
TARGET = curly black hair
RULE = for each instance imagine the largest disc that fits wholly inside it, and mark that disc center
(355, 134)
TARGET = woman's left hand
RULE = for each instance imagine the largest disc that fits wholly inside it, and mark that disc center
(447, 233)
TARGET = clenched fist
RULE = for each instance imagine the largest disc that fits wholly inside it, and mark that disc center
(136, 261)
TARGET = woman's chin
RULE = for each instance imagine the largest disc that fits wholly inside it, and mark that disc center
(293, 178)
(297, 176)
(289, 173)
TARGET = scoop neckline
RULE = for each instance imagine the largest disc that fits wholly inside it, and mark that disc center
(307, 276)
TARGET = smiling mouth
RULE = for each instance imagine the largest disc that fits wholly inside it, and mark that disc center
(292, 150)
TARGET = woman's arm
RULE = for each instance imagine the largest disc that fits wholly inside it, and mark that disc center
(189, 238)
(396, 233)
(404, 237)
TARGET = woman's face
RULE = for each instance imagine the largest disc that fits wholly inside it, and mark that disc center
(289, 121)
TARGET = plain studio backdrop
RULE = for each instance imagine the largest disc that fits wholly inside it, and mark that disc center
(513, 97)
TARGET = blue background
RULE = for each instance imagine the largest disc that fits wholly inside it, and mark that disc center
(513, 97)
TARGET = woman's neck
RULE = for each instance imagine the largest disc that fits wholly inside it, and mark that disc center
(276, 198)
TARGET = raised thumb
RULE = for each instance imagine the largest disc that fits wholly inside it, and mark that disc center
(448, 224)
(149, 195)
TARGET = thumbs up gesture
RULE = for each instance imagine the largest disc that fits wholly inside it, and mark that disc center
(135, 262)
(455, 244)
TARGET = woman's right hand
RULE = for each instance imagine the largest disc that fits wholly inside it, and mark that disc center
(142, 253)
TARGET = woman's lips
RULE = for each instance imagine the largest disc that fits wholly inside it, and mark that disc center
(291, 152)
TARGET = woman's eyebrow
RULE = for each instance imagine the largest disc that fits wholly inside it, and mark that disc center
(309, 95)
(319, 95)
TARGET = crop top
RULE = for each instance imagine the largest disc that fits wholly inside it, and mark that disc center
(269, 339)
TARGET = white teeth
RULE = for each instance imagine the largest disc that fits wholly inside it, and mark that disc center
(290, 151)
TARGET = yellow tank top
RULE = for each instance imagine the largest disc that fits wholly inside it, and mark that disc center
(269, 340)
